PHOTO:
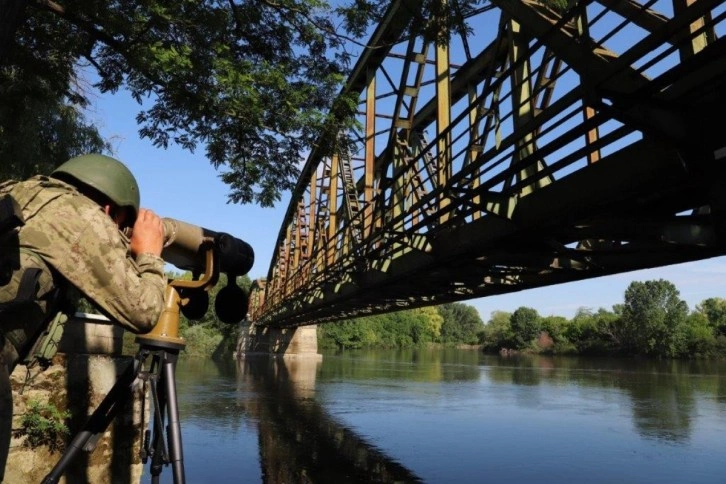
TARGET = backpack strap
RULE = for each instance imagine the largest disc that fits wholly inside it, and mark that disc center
(26, 289)
(11, 215)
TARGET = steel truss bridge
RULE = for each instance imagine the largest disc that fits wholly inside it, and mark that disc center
(546, 146)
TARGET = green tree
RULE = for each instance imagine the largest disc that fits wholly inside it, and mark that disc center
(461, 323)
(40, 128)
(252, 82)
(714, 309)
(652, 315)
(349, 334)
(594, 332)
(526, 325)
(556, 328)
(497, 332)
(400, 329)
(41, 99)
(698, 336)
(256, 83)
(432, 323)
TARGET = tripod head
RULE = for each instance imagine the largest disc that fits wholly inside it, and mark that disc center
(205, 254)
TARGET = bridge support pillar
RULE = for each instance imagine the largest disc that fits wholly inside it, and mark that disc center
(288, 342)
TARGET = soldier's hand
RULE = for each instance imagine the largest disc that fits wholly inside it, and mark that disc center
(148, 233)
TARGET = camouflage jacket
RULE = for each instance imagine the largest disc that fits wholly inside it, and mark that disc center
(82, 245)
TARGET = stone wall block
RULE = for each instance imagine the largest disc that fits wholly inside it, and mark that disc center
(78, 380)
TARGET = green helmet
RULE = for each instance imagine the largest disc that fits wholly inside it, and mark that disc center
(104, 174)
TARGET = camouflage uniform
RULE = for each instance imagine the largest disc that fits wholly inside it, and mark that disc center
(66, 238)
(80, 244)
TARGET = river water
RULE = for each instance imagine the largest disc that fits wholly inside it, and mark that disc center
(451, 416)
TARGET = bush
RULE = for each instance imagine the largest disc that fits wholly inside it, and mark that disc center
(44, 424)
(201, 340)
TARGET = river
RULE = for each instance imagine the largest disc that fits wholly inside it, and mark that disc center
(451, 416)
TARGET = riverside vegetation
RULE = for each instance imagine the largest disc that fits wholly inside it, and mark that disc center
(652, 321)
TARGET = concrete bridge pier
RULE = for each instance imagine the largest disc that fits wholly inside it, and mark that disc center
(288, 342)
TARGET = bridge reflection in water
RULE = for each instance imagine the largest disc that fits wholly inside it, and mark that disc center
(298, 440)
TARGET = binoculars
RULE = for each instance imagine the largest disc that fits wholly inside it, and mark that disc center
(186, 246)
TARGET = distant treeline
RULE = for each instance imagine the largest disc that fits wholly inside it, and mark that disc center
(447, 324)
(652, 321)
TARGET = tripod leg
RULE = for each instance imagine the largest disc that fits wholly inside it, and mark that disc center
(159, 455)
(174, 429)
(165, 402)
(99, 420)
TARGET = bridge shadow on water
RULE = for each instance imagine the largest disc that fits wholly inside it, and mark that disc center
(298, 440)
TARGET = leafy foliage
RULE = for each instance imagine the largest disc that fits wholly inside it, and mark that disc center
(44, 424)
(525, 325)
(652, 321)
(652, 315)
(699, 339)
(252, 82)
(41, 100)
(39, 128)
(714, 309)
(497, 333)
(402, 329)
(255, 83)
(461, 323)
(593, 332)
(201, 340)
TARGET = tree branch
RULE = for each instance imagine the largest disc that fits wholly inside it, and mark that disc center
(324, 28)
(103, 37)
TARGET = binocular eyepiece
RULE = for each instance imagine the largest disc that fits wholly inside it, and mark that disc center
(185, 246)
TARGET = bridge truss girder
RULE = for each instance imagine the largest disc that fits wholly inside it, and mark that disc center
(545, 147)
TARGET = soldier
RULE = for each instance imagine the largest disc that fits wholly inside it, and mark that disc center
(73, 237)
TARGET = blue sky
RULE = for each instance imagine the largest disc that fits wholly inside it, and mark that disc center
(175, 183)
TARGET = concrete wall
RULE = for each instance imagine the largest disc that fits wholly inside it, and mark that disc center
(294, 342)
(86, 367)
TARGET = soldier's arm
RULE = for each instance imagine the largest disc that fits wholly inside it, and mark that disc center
(128, 289)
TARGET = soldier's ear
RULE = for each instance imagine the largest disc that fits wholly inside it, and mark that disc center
(117, 214)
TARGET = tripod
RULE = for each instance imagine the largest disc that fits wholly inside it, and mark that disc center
(160, 348)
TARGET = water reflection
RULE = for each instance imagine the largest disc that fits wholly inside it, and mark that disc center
(298, 440)
(662, 394)
(447, 416)
(416, 365)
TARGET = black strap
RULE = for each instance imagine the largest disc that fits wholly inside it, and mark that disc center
(11, 215)
(28, 285)
(26, 289)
